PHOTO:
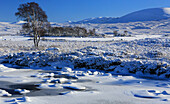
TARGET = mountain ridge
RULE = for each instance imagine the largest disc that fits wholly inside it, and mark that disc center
(151, 14)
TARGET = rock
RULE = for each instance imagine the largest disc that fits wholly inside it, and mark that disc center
(95, 73)
(66, 69)
(22, 91)
(74, 87)
(4, 93)
(64, 93)
(60, 80)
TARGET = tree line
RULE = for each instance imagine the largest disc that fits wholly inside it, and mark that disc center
(61, 31)
(70, 31)
(115, 33)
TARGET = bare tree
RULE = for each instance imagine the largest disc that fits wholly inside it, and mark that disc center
(36, 18)
(92, 32)
(115, 33)
(126, 32)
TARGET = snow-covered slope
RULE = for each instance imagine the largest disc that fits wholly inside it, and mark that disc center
(19, 22)
(13, 28)
(161, 27)
(7, 28)
(152, 14)
(97, 20)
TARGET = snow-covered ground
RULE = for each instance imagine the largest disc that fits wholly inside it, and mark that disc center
(52, 77)
(7, 28)
(68, 70)
(161, 27)
(86, 87)
(111, 38)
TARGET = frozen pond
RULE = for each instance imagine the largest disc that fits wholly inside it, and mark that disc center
(30, 86)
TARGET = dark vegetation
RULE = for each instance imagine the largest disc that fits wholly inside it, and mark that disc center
(70, 31)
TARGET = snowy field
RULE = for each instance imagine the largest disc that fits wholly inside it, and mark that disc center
(111, 38)
(65, 70)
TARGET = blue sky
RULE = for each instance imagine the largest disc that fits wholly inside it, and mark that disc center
(64, 10)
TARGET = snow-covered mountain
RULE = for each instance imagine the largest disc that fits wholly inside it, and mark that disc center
(7, 28)
(152, 14)
(97, 20)
(19, 22)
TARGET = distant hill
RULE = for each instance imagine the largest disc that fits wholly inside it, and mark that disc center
(152, 14)
(97, 20)
(19, 22)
